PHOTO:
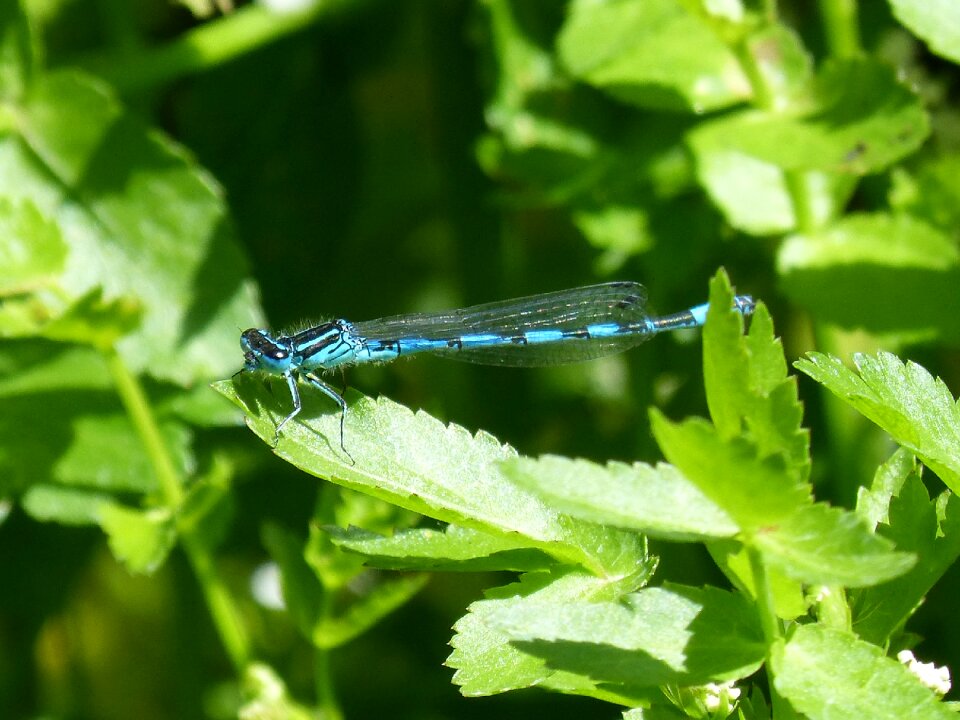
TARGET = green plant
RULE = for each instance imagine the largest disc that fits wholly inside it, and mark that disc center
(645, 128)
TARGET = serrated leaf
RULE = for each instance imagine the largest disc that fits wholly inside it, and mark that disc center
(755, 492)
(746, 381)
(641, 53)
(656, 636)
(936, 22)
(917, 410)
(822, 545)
(454, 549)
(486, 663)
(827, 673)
(873, 503)
(856, 272)
(416, 462)
(139, 539)
(658, 501)
(725, 361)
(930, 530)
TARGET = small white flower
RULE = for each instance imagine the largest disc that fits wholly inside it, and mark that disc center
(265, 586)
(935, 678)
(716, 695)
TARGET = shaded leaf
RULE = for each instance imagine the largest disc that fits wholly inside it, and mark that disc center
(917, 410)
(827, 673)
(856, 273)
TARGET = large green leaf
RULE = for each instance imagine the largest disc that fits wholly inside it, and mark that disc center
(658, 501)
(656, 636)
(831, 675)
(655, 54)
(904, 399)
(857, 273)
(141, 219)
(414, 461)
(936, 22)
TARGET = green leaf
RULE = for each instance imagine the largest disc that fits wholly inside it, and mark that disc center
(821, 545)
(643, 54)
(265, 696)
(827, 673)
(873, 503)
(487, 663)
(658, 501)
(932, 193)
(67, 506)
(733, 558)
(930, 530)
(453, 549)
(915, 409)
(416, 462)
(91, 320)
(752, 194)
(90, 444)
(18, 52)
(936, 22)
(746, 381)
(755, 492)
(33, 253)
(656, 636)
(362, 614)
(859, 119)
(141, 540)
(855, 273)
(542, 130)
(725, 360)
(141, 220)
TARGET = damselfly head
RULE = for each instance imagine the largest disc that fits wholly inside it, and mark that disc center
(261, 352)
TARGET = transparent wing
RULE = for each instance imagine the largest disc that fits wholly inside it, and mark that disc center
(621, 303)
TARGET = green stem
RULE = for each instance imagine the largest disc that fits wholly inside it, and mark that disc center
(841, 27)
(323, 677)
(772, 631)
(225, 615)
(802, 200)
(211, 44)
(138, 407)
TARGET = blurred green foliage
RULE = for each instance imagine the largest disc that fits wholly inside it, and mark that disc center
(171, 174)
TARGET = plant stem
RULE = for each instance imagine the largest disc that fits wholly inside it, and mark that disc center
(138, 407)
(772, 632)
(225, 615)
(210, 44)
(326, 695)
(840, 27)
